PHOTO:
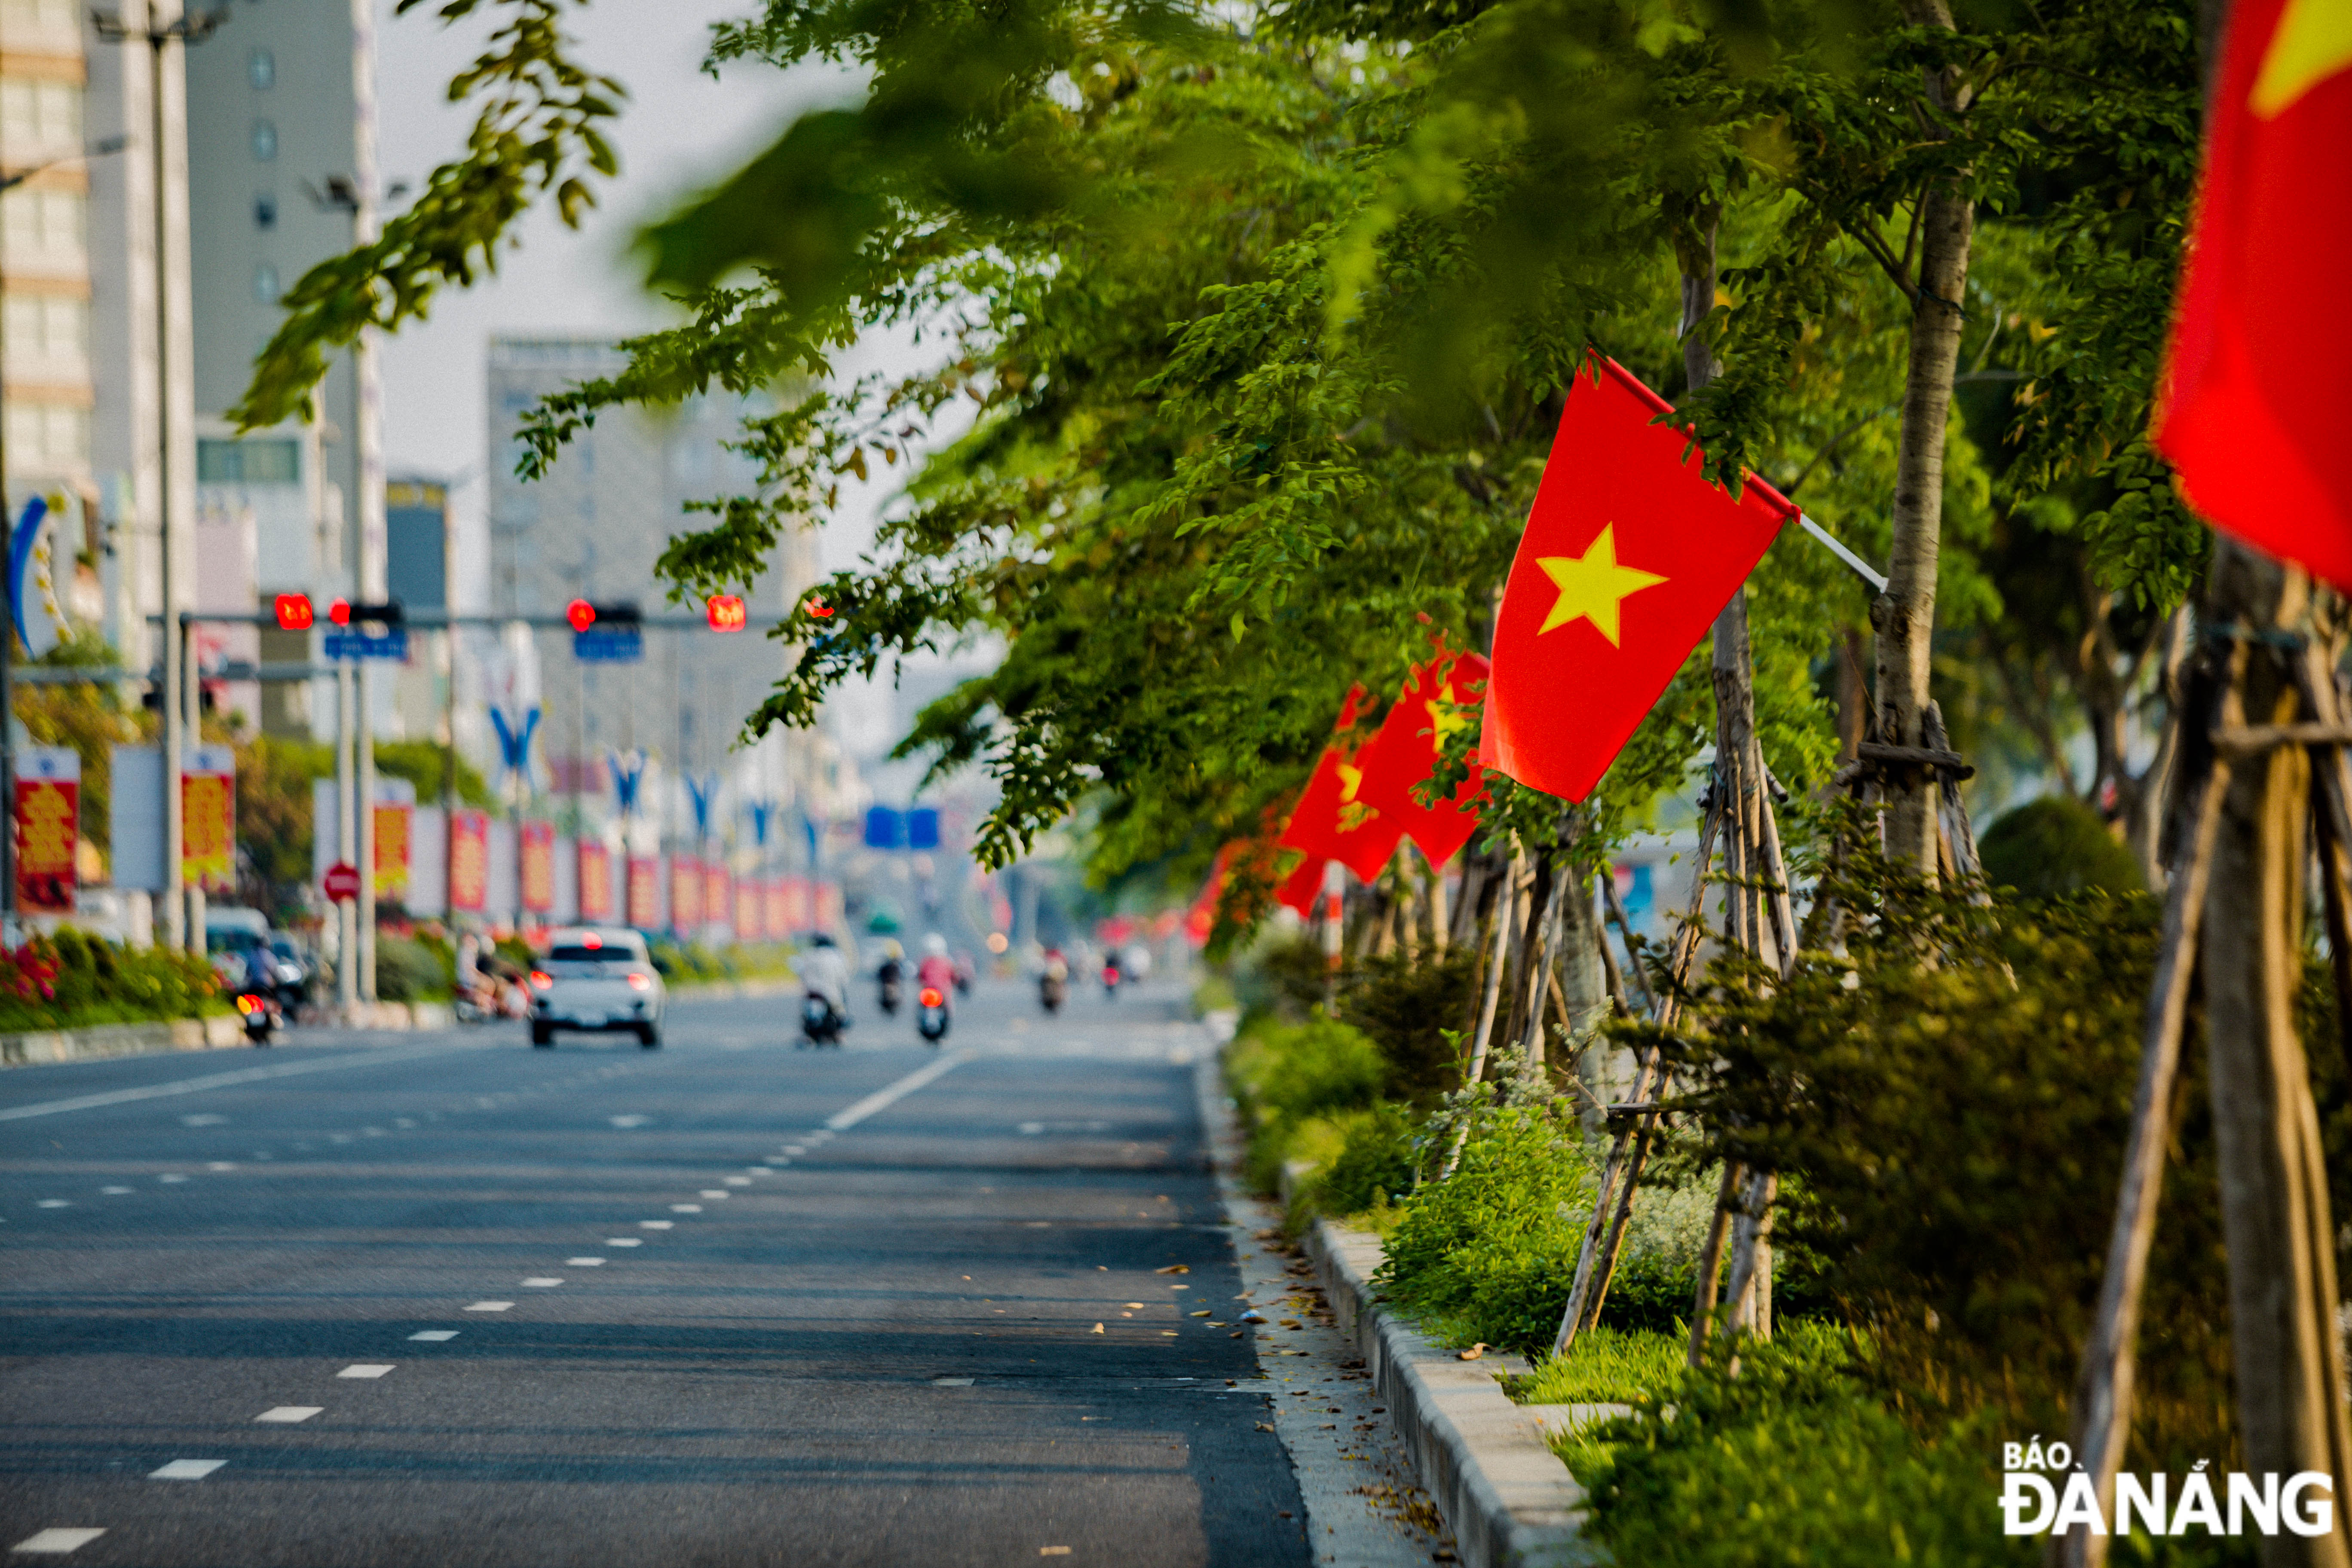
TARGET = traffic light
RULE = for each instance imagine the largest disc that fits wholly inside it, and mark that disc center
(294, 612)
(612, 617)
(727, 613)
(580, 614)
(387, 613)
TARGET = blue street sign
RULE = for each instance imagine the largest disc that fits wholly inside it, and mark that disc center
(609, 645)
(885, 828)
(392, 645)
(923, 827)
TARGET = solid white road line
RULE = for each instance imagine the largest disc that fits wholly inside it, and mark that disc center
(882, 1098)
(365, 1058)
(57, 1541)
(286, 1414)
(435, 1336)
(366, 1369)
(186, 1471)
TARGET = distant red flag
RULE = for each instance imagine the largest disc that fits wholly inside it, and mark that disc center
(1629, 556)
(1400, 759)
(1330, 824)
(1299, 890)
(2255, 406)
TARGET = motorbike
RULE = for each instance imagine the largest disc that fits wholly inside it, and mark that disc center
(1110, 979)
(893, 979)
(1053, 984)
(931, 1014)
(821, 1022)
(261, 1012)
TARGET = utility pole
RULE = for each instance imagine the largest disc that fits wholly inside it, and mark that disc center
(161, 35)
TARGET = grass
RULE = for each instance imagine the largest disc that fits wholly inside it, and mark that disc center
(1607, 1366)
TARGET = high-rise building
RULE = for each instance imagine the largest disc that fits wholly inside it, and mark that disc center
(593, 529)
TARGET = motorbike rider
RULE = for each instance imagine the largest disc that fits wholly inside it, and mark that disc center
(824, 973)
(937, 969)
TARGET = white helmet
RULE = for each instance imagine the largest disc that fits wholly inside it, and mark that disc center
(935, 946)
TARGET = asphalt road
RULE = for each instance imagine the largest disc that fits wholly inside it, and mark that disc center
(441, 1298)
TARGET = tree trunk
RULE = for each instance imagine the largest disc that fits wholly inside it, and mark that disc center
(2284, 1303)
(1905, 615)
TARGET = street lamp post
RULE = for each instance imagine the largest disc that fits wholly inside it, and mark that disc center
(183, 29)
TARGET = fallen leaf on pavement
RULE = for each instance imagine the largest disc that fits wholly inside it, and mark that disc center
(1474, 1353)
(1175, 1268)
(1096, 1330)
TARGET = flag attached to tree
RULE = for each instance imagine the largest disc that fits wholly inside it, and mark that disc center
(1400, 759)
(1629, 556)
(2255, 405)
(1330, 823)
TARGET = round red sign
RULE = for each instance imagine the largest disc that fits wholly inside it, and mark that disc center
(342, 881)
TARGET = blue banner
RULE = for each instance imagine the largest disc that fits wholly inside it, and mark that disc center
(609, 645)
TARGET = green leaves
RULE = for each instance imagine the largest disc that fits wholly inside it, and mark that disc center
(538, 134)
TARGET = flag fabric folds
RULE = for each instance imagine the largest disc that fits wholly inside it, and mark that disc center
(2256, 406)
(1329, 823)
(1402, 755)
(1629, 556)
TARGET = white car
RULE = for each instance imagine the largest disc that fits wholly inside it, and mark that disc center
(597, 980)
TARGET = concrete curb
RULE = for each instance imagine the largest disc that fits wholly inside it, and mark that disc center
(1510, 1501)
(44, 1047)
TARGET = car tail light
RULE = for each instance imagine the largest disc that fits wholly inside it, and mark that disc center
(641, 982)
(248, 1004)
(931, 997)
(541, 980)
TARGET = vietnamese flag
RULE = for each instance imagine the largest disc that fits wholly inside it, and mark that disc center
(1302, 887)
(2256, 406)
(1404, 753)
(1330, 824)
(1629, 556)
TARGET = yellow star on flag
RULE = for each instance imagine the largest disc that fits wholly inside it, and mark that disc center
(1593, 585)
(2312, 42)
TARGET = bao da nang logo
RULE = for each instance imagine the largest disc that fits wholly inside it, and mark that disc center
(2036, 1503)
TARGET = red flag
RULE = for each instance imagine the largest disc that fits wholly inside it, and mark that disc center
(1330, 824)
(1404, 753)
(1300, 889)
(2255, 406)
(1627, 558)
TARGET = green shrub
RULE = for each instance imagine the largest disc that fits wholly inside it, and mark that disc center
(1407, 1010)
(74, 979)
(2056, 845)
(1285, 1076)
(1490, 1252)
(409, 971)
(1793, 1462)
(1377, 1157)
(1215, 994)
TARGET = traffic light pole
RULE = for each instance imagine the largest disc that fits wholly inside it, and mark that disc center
(347, 931)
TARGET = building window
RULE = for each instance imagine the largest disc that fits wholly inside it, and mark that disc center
(265, 284)
(265, 141)
(264, 461)
(264, 211)
(261, 71)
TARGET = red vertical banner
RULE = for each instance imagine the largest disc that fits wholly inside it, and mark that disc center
(779, 895)
(718, 896)
(209, 819)
(469, 860)
(685, 894)
(644, 891)
(751, 910)
(595, 882)
(48, 829)
(537, 854)
(395, 829)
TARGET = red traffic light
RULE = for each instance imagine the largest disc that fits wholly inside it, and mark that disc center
(580, 614)
(294, 612)
(340, 612)
(727, 613)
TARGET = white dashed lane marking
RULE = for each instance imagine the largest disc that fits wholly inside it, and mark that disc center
(115, 1192)
(56, 1204)
(625, 1241)
(366, 1369)
(435, 1336)
(490, 1306)
(169, 1177)
(715, 1192)
(57, 1541)
(186, 1471)
(661, 1224)
(584, 1263)
(685, 1208)
(288, 1414)
(543, 1283)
